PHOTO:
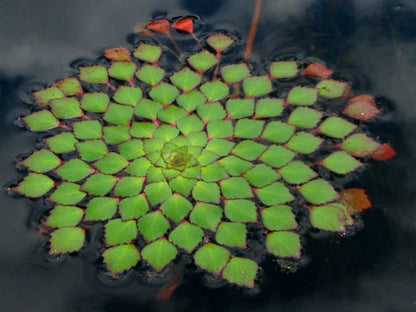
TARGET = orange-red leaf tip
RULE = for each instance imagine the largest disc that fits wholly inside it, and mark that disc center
(317, 70)
(355, 199)
(185, 24)
(118, 54)
(384, 152)
(161, 25)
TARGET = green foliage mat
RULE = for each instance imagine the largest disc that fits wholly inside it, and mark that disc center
(195, 160)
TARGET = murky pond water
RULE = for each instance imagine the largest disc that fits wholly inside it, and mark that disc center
(372, 43)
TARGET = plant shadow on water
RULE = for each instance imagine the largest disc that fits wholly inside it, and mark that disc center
(371, 44)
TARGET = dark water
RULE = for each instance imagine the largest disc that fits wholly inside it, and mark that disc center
(372, 43)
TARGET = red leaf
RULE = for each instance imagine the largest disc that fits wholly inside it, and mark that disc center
(384, 152)
(118, 54)
(185, 24)
(161, 26)
(361, 107)
(355, 199)
(317, 70)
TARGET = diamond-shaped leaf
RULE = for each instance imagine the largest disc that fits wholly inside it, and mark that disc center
(42, 97)
(297, 172)
(93, 74)
(269, 107)
(148, 53)
(118, 114)
(191, 100)
(211, 111)
(121, 258)
(67, 194)
(214, 90)
(182, 185)
(150, 74)
(212, 257)
(359, 145)
(219, 129)
(206, 215)
(332, 88)
(91, 150)
(118, 231)
(279, 218)
(241, 271)
(234, 165)
(330, 217)
(257, 86)
(248, 128)
(304, 143)
(361, 107)
(202, 61)
(305, 117)
(142, 129)
(88, 129)
(62, 143)
(240, 210)
(171, 114)
(213, 172)
(100, 208)
(235, 187)
(284, 244)
(96, 102)
(159, 253)
(277, 156)
(318, 191)
(234, 73)
(157, 192)
(283, 69)
(278, 132)
(116, 134)
(190, 124)
(111, 163)
(164, 93)
(206, 191)
(219, 42)
(176, 208)
(231, 234)
(261, 175)
(336, 127)
(67, 239)
(66, 108)
(153, 225)
(248, 150)
(148, 109)
(133, 207)
(341, 162)
(302, 96)
(122, 70)
(274, 194)
(41, 121)
(128, 95)
(240, 108)
(42, 161)
(128, 186)
(63, 216)
(99, 184)
(185, 79)
(74, 170)
(186, 236)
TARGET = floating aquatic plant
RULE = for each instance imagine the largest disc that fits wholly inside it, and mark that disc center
(203, 161)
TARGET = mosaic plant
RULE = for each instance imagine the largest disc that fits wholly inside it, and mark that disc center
(197, 160)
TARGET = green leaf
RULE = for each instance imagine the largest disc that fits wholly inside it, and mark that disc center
(157, 192)
(116, 134)
(43, 97)
(171, 114)
(202, 61)
(91, 150)
(133, 207)
(341, 162)
(155, 174)
(332, 88)
(42, 161)
(128, 186)
(219, 146)
(235, 166)
(206, 216)
(148, 109)
(248, 149)
(111, 163)
(122, 70)
(100, 208)
(164, 93)
(305, 117)
(240, 210)
(153, 225)
(283, 69)
(176, 208)
(241, 271)
(74, 170)
(248, 128)
(93, 74)
(159, 253)
(41, 121)
(274, 194)
(359, 145)
(236, 187)
(318, 191)
(219, 129)
(214, 90)
(118, 114)
(66, 108)
(119, 232)
(121, 258)
(212, 257)
(336, 127)
(284, 244)
(261, 175)
(211, 111)
(257, 86)
(131, 149)
(191, 100)
(302, 96)
(219, 42)
(128, 95)
(279, 218)
(148, 53)
(190, 124)
(150, 74)
(213, 172)
(186, 236)
(67, 239)
(235, 72)
(277, 156)
(70, 86)
(88, 129)
(182, 185)
(63, 216)
(62, 143)
(297, 172)
(207, 192)
(231, 234)
(278, 132)
(269, 107)
(185, 79)
(95, 102)
(99, 184)
(67, 194)
(331, 217)
(142, 129)
(304, 143)
(240, 108)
